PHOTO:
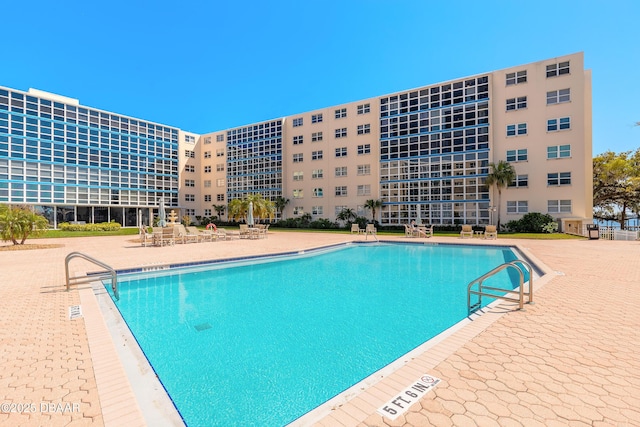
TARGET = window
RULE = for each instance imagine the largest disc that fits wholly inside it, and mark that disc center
(517, 129)
(559, 152)
(316, 118)
(207, 183)
(297, 158)
(517, 155)
(341, 133)
(298, 176)
(189, 138)
(363, 129)
(207, 154)
(220, 138)
(364, 149)
(559, 178)
(364, 108)
(316, 155)
(317, 174)
(339, 209)
(317, 210)
(341, 171)
(220, 182)
(298, 194)
(189, 183)
(520, 181)
(558, 96)
(297, 140)
(297, 122)
(189, 168)
(220, 152)
(317, 192)
(298, 210)
(207, 197)
(189, 197)
(562, 123)
(559, 206)
(517, 207)
(220, 167)
(517, 77)
(559, 69)
(364, 169)
(341, 113)
(207, 212)
(207, 169)
(364, 190)
(207, 140)
(190, 212)
(517, 103)
(341, 191)
(341, 152)
(220, 197)
(316, 136)
(190, 153)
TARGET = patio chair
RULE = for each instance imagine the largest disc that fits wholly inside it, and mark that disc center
(490, 232)
(371, 229)
(262, 230)
(410, 231)
(168, 236)
(467, 231)
(145, 236)
(355, 228)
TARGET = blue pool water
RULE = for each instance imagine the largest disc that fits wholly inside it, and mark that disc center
(262, 343)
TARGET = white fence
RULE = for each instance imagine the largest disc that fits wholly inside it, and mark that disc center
(611, 233)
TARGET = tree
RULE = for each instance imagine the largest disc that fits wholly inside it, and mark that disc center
(18, 222)
(219, 209)
(373, 205)
(281, 203)
(262, 208)
(616, 185)
(346, 214)
(501, 175)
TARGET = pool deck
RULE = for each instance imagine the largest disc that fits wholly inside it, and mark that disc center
(572, 358)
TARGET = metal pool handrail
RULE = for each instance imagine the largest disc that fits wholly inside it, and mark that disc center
(86, 279)
(521, 293)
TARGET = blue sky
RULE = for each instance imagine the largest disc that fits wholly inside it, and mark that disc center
(209, 65)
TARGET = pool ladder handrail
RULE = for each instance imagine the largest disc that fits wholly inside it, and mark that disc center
(110, 272)
(521, 293)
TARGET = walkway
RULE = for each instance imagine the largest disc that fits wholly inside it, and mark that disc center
(573, 358)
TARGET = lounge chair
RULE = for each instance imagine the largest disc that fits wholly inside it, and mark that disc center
(355, 228)
(424, 231)
(193, 231)
(467, 231)
(185, 236)
(490, 232)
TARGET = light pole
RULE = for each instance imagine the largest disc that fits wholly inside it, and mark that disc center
(492, 209)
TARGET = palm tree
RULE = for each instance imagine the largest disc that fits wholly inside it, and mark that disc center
(346, 214)
(262, 208)
(501, 175)
(236, 210)
(373, 205)
(280, 203)
(219, 210)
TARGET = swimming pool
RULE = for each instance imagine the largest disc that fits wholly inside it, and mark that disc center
(263, 342)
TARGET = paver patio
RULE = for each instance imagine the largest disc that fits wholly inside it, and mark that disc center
(573, 358)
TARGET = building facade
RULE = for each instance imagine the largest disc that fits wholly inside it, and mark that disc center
(425, 153)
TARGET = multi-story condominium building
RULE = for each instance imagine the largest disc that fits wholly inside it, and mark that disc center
(424, 152)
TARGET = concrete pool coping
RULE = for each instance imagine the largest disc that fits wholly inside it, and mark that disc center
(158, 409)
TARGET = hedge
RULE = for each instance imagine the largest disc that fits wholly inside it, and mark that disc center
(103, 226)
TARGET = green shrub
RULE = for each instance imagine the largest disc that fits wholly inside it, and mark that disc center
(103, 226)
(533, 222)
